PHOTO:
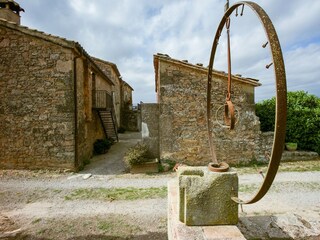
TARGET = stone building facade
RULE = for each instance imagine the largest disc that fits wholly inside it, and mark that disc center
(181, 133)
(47, 110)
(122, 95)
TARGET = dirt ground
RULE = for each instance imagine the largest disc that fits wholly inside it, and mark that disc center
(58, 205)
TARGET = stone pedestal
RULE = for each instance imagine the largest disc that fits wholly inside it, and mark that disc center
(205, 197)
(180, 231)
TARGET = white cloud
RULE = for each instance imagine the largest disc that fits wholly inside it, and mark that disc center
(128, 33)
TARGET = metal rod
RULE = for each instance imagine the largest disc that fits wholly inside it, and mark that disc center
(264, 45)
(269, 65)
(226, 6)
(242, 10)
(229, 60)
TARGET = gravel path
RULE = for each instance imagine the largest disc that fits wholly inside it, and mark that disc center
(34, 205)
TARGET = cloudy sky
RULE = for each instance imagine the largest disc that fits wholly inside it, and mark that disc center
(129, 32)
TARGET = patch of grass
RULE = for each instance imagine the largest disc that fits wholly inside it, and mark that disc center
(300, 166)
(112, 194)
(253, 163)
(41, 231)
(247, 188)
(116, 227)
(279, 187)
(36, 221)
(294, 166)
(105, 225)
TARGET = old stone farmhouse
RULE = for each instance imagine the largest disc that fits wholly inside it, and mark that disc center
(55, 99)
(175, 127)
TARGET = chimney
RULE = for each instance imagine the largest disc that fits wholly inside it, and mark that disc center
(10, 11)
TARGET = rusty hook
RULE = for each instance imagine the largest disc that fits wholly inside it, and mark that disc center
(242, 10)
(269, 65)
(229, 110)
(228, 96)
(226, 6)
(264, 45)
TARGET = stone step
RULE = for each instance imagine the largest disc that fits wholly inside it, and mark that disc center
(299, 156)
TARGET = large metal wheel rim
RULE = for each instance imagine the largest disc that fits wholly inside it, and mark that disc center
(281, 95)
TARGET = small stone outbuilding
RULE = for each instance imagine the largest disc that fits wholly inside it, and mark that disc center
(175, 127)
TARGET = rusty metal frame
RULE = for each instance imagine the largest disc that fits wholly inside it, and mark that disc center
(281, 95)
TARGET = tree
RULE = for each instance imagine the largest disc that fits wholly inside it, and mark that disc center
(303, 119)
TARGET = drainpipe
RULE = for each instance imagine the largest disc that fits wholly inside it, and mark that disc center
(76, 138)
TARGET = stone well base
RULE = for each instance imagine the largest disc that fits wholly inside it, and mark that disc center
(179, 231)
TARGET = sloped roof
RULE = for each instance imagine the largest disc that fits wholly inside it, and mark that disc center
(60, 41)
(115, 68)
(165, 57)
(113, 65)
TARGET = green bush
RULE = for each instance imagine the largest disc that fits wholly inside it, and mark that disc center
(101, 146)
(303, 119)
(266, 113)
(137, 154)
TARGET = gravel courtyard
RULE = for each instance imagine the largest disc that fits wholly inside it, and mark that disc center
(103, 202)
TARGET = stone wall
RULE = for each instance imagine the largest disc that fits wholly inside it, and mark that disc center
(46, 114)
(37, 102)
(89, 127)
(181, 90)
(130, 120)
(265, 142)
(150, 127)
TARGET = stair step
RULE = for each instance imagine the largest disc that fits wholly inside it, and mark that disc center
(108, 121)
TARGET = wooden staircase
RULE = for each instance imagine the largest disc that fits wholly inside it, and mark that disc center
(103, 103)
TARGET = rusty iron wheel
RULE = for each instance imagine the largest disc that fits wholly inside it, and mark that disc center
(281, 94)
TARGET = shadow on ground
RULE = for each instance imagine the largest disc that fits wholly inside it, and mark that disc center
(112, 162)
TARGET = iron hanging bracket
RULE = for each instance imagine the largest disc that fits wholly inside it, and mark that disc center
(281, 95)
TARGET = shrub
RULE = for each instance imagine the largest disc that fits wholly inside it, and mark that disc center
(136, 154)
(169, 163)
(303, 119)
(121, 130)
(266, 113)
(102, 145)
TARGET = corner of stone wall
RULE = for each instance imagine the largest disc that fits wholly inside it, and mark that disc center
(130, 120)
(264, 144)
(150, 127)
